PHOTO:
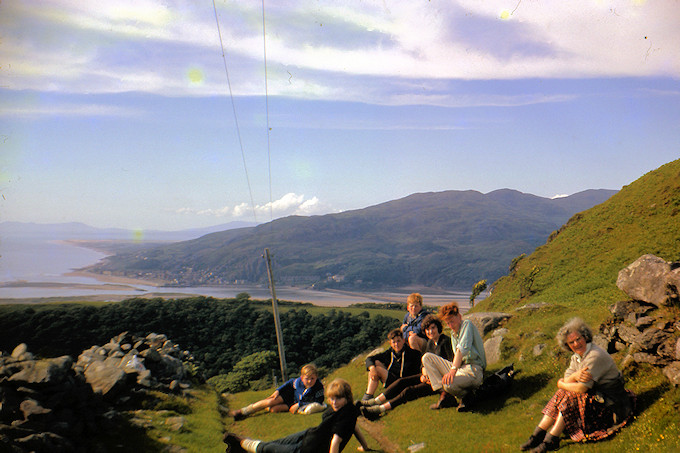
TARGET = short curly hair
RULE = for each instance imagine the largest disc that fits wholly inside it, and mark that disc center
(414, 299)
(428, 321)
(574, 325)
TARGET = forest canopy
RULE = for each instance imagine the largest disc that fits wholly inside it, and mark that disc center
(217, 332)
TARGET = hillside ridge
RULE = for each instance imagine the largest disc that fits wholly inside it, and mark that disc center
(447, 239)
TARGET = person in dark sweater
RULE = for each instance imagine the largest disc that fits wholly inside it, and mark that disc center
(388, 366)
(338, 424)
(411, 387)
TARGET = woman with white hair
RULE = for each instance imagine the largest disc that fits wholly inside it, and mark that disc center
(591, 402)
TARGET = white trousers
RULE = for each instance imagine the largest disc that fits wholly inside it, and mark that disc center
(467, 377)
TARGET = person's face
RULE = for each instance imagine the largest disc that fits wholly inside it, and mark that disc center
(576, 343)
(413, 309)
(397, 343)
(308, 381)
(432, 332)
(454, 322)
(336, 403)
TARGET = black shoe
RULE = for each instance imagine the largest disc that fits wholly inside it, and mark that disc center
(466, 403)
(550, 443)
(369, 414)
(534, 440)
(238, 415)
(445, 400)
(233, 443)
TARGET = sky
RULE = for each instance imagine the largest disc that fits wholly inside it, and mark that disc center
(175, 114)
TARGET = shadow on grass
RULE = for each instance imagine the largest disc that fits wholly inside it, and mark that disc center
(127, 437)
(523, 387)
(649, 397)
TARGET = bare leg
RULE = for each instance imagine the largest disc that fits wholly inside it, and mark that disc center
(558, 427)
(546, 423)
(279, 408)
(375, 376)
(417, 343)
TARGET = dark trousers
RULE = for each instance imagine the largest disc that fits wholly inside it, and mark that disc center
(288, 444)
(406, 389)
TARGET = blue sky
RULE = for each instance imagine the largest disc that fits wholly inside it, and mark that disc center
(119, 114)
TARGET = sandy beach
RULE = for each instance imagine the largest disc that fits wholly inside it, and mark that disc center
(115, 288)
(116, 279)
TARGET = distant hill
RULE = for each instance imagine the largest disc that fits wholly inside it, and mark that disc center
(446, 239)
(81, 231)
(578, 266)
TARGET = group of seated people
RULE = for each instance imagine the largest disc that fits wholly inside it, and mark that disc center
(591, 402)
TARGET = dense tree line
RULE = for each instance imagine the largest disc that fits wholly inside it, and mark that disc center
(218, 332)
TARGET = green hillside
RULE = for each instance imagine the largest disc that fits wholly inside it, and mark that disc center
(579, 264)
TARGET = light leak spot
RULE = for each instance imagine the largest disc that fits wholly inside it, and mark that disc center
(138, 235)
(195, 76)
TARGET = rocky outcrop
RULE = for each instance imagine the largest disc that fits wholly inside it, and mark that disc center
(487, 321)
(646, 327)
(58, 405)
(652, 280)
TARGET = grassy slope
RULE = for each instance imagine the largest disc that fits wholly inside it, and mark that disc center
(579, 267)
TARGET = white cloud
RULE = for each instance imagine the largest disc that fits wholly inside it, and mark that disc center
(327, 49)
(67, 109)
(562, 195)
(288, 204)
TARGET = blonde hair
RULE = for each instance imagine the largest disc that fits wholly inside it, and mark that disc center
(309, 370)
(339, 388)
(414, 299)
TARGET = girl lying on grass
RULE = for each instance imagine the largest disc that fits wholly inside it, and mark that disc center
(338, 424)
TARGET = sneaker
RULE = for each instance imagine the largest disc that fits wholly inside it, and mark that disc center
(369, 414)
(368, 402)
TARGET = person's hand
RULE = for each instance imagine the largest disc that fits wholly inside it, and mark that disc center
(447, 379)
(584, 375)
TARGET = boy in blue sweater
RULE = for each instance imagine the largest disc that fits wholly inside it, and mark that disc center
(293, 396)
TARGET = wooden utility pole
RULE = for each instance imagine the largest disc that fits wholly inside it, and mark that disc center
(277, 322)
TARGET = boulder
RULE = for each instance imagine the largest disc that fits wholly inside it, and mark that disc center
(651, 279)
(43, 372)
(538, 349)
(672, 372)
(105, 380)
(20, 352)
(492, 349)
(487, 321)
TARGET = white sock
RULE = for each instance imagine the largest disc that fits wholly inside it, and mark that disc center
(247, 410)
(250, 445)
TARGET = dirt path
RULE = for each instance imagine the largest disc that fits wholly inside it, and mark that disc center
(375, 431)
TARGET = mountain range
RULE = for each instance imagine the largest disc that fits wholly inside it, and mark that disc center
(448, 240)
